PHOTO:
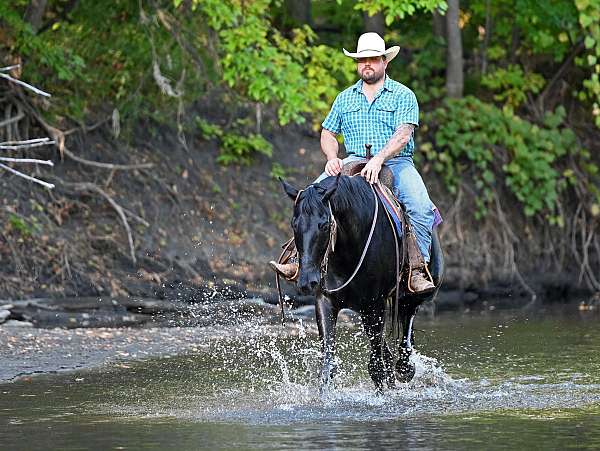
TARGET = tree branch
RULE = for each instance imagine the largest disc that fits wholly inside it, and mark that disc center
(27, 177)
(87, 186)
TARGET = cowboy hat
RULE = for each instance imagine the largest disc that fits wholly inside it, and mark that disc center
(371, 44)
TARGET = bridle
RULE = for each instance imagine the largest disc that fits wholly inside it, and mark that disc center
(331, 246)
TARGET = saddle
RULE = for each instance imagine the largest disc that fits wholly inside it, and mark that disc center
(386, 177)
(396, 215)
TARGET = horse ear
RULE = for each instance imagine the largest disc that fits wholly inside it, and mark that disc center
(289, 189)
(331, 189)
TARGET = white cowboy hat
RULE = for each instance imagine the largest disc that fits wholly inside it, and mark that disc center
(371, 44)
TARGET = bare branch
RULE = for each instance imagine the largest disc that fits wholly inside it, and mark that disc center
(97, 164)
(27, 144)
(9, 68)
(28, 86)
(86, 186)
(12, 120)
(59, 138)
(27, 160)
(28, 177)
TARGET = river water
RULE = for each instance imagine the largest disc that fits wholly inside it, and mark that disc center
(493, 380)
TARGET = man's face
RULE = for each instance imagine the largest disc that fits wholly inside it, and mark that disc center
(371, 69)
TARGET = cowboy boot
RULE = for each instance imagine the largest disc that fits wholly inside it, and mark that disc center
(287, 267)
(419, 281)
(289, 271)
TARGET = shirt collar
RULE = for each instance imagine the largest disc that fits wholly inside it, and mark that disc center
(387, 84)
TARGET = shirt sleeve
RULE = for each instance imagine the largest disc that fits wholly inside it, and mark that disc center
(408, 110)
(333, 121)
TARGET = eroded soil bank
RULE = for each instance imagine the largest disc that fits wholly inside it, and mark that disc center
(199, 228)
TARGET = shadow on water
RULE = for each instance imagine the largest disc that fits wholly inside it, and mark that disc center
(501, 380)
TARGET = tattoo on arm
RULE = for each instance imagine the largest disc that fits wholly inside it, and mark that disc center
(397, 142)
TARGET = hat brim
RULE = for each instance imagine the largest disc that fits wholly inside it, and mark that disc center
(390, 53)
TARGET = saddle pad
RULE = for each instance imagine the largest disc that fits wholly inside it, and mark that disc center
(392, 205)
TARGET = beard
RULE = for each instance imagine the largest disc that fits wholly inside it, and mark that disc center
(370, 76)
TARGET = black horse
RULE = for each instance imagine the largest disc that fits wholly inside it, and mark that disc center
(350, 202)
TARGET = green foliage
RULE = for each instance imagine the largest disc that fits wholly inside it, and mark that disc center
(512, 84)
(208, 130)
(240, 149)
(589, 18)
(278, 171)
(262, 64)
(393, 9)
(489, 144)
(22, 226)
(542, 28)
(235, 148)
(44, 57)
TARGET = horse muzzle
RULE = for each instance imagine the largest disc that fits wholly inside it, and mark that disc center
(309, 281)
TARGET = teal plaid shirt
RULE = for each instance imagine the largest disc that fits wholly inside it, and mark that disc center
(362, 123)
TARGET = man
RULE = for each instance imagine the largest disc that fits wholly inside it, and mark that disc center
(381, 112)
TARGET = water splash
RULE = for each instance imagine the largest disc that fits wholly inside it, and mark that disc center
(257, 373)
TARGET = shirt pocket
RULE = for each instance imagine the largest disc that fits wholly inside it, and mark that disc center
(351, 117)
(386, 113)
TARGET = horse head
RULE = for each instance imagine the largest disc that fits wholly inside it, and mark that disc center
(311, 223)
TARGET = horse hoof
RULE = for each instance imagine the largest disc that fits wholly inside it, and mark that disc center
(405, 373)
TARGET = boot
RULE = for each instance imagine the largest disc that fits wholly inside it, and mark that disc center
(419, 281)
(289, 271)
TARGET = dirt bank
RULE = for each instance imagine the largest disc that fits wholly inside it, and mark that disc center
(197, 226)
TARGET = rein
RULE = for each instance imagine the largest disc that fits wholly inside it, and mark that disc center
(331, 246)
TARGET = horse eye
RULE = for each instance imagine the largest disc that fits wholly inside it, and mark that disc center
(324, 226)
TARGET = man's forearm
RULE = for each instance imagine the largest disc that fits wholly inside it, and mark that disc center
(397, 142)
(329, 144)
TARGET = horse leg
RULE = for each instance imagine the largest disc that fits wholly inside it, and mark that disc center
(405, 370)
(326, 319)
(373, 324)
(388, 361)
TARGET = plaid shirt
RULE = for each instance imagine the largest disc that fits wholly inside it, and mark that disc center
(362, 123)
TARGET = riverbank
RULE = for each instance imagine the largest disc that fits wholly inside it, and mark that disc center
(196, 224)
(26, 350)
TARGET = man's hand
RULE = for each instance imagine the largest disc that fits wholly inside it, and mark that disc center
(333, 166)
(371, 170)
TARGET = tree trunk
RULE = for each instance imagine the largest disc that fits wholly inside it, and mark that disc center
(375, 23)
(439, 26)
(486, 38)
(35, 13)
(299, 11)
(454, 55)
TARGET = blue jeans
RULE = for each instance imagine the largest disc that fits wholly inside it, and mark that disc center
(410, 191)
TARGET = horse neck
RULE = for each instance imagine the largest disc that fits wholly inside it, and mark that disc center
(354, 224)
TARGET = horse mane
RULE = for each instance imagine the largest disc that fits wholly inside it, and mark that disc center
(310, 201)
(353, 193)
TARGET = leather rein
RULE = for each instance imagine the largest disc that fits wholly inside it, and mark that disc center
(331, 246)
